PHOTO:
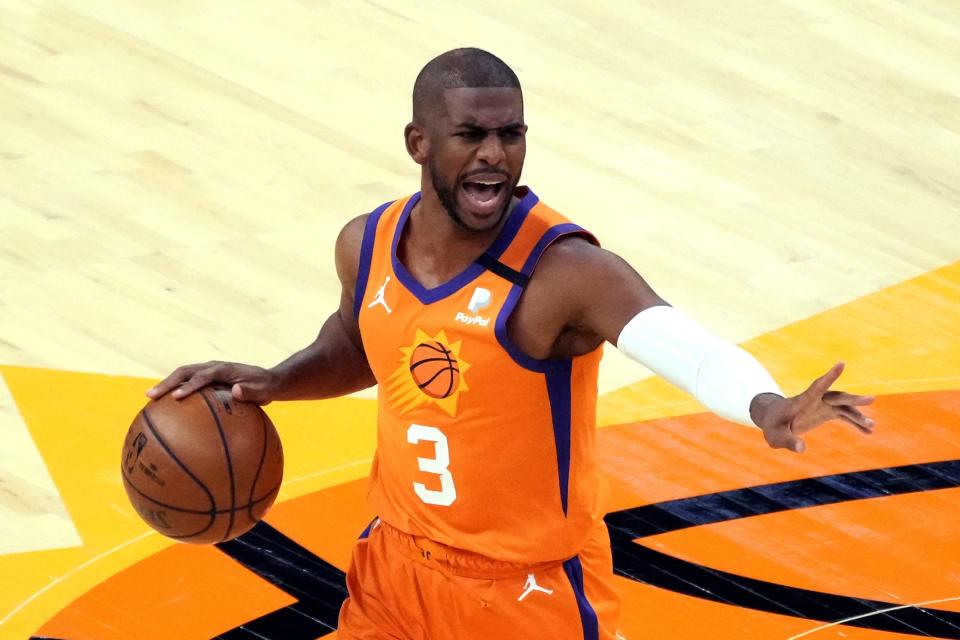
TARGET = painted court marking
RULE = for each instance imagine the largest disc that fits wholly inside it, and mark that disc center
(32, 513)
(325, 472)
(871, 614)
(39, 592)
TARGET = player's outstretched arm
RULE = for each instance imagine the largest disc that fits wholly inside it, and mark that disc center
(605, 296)
(333, 365)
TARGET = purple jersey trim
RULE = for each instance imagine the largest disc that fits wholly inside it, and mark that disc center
(474, 270)
(366, 532)
(558, 373)
(366, 252)
(558, 390)
(513, 298)
(588, 617)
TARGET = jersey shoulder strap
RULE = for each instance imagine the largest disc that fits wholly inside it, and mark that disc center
(540, 228)
(377, 237)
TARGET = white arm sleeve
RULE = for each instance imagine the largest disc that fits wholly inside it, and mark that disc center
(720, 375)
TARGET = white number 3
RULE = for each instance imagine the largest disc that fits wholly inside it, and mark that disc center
(437, 465)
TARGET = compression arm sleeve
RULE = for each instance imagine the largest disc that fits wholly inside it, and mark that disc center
(720, 375)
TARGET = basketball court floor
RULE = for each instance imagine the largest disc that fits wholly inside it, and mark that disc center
(172, 178)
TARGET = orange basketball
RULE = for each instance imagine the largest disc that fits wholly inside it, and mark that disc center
(203, 469)
(434, 369)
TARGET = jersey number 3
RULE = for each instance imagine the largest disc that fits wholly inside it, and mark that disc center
(437, 465)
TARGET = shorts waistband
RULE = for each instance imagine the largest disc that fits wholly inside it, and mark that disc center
(456, 561)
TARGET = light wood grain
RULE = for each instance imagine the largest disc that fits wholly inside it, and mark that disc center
(173, 175)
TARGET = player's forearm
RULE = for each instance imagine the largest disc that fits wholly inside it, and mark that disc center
(723, 377)
(329, 367)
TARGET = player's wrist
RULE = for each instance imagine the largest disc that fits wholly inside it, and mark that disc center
(276, 383)
(764, 409)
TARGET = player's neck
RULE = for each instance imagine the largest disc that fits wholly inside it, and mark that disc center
(435, 248)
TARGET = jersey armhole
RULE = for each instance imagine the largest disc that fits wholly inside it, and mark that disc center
(516, 354)
(366, 254)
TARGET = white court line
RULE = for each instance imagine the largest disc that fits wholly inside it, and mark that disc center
(143, 535)
(326, 472)
(76, 569)
(106, 553)
(35, 517)
(872, 613)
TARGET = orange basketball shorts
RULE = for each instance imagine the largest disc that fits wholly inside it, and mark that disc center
(407, 588)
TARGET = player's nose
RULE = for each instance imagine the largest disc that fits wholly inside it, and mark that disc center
(491, 149)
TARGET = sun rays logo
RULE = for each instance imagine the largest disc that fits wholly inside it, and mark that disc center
(430, 371)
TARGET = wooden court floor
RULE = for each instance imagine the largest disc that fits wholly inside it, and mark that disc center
(172, 177)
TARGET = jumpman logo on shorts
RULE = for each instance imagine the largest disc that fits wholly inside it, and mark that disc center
(532, 586)
(379, 299)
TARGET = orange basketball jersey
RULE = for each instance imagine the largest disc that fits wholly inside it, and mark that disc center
(479, 446)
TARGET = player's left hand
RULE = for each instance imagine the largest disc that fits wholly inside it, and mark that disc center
(784, 420)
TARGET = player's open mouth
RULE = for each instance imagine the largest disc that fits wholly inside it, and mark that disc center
(485, 194)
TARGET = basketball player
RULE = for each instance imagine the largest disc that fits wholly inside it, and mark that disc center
(481, 313)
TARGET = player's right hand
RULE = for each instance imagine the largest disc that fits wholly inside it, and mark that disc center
(248, 383)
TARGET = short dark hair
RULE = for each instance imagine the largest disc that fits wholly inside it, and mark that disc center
(456, 69)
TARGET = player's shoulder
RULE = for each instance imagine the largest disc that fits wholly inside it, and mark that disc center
(569, 253)
(348, 245)
(352, 232)
(351, 235)
(574, 264)
(350, 238)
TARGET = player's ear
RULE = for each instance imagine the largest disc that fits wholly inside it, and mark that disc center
(418, 143)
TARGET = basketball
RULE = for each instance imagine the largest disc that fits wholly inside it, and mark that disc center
(434, 369)
(203, 469)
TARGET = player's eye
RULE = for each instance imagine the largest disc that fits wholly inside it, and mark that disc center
(473, 134)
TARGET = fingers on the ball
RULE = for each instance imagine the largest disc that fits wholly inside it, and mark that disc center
(172, 381)
(187, 388)
(251, 392)
(198, 380)
(245, 393)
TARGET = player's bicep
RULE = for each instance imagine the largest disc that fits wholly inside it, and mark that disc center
(342, 330)
(607, 292)
(348, 266)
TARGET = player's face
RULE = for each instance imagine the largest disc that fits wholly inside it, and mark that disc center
(477, 148)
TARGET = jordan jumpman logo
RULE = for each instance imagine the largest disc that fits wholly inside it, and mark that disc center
(379, 299)
(532, 586)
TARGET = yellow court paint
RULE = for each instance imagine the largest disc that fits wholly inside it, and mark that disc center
(900, 339)
(32, 516)
(78, 421)
(892, 547)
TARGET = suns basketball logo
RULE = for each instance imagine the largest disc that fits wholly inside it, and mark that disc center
(430, 371)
